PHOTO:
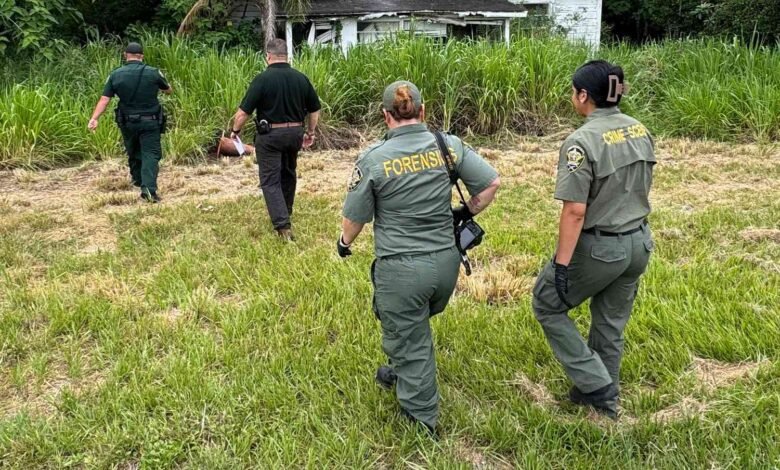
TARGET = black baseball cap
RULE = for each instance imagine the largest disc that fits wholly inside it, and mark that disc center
(134, 48)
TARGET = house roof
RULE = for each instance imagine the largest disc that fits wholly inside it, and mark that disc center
(319, 8)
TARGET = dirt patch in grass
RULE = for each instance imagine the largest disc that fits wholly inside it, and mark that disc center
(479, 459)
(172, 315)
(40, 400)
(684, 409)
(761, 234)
(712, 374)
(537, 392)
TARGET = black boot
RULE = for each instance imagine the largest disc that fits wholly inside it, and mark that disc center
(150, 196)
(385, 377)
(431, 430)
(603, 400)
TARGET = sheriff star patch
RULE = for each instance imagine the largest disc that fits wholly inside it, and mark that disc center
(355, 179)
(574, 158)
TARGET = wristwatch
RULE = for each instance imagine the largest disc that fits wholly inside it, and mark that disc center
(235, 131)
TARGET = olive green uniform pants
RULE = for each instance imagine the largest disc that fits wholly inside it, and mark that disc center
(408, 290)
(144, 151)
(605, 269)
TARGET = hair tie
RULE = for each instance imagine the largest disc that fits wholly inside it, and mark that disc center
(615, 89)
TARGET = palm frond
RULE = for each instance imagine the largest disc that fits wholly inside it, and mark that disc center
(189, 19)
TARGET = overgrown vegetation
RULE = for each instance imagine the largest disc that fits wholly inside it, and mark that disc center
(701, 89)
(185, 335)
(643, 20)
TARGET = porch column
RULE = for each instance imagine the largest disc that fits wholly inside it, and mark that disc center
(349, 34)
(288, 34)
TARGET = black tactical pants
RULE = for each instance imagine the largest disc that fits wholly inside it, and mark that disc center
(277, 158)
(144, 151)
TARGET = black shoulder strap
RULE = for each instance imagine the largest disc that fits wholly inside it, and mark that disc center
(448, 163)
(137, 83)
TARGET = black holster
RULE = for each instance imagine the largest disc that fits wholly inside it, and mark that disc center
(262, 126)
(119, 118)
(162, 119)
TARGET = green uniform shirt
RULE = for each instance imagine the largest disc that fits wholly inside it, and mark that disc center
(403, 183)
(281, 94)
(608, 164)
(123, 82)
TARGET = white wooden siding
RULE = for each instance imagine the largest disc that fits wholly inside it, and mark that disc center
(581, 18)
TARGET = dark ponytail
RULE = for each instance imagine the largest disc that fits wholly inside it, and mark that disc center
(604, 82)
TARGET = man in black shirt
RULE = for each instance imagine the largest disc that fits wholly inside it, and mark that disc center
(282, 98)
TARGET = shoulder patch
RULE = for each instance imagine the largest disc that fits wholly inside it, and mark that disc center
(574, 158)
(355, 179)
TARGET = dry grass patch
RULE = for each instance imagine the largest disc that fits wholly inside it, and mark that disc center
(489, 154)
(712, 374)
(537, 392)
(172, 315)
(766, 264)
(687, 408)
(499, 280)
(40, 398)
(113, 183)
(478, 459)
(761, 234)
(112, 199)
(698, 173)
(25, 177)
(202, 170)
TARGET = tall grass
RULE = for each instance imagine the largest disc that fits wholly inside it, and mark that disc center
(700, 89)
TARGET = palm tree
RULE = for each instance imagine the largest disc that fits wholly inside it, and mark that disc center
(268, 20)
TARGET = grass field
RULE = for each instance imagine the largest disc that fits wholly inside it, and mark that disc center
(186, 335)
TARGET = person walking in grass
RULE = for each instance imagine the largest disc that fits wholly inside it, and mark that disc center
(403, 183)
(605, 172)
(139, 115)
(282, 97)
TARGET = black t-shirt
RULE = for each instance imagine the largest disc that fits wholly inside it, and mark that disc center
(281, 94)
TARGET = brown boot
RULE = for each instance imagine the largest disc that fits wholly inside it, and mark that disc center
(285, 234)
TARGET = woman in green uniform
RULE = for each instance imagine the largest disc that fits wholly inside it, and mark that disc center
(604, 176)
(402, 183)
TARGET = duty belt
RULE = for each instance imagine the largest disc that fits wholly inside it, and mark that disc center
(595, 231)
(141, 117)
(286, 124)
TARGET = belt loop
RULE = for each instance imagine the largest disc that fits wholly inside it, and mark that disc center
(597, 232)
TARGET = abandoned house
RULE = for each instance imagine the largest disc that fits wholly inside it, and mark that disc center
(345, 23)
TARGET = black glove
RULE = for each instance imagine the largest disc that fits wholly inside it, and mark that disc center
(343, 248)
(461, 213)
(562, 282)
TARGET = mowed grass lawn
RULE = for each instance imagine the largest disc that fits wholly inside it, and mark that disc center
(186, 335)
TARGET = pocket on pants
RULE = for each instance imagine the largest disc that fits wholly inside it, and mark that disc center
(542, 279)
(608, 253)
(397, 286)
